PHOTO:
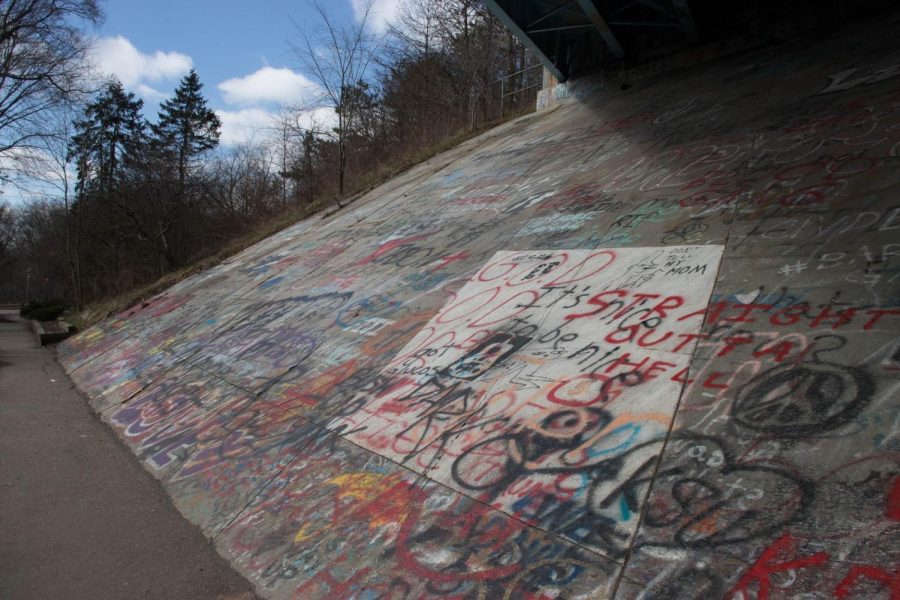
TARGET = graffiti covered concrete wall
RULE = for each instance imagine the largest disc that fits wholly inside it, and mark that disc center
(644, 345)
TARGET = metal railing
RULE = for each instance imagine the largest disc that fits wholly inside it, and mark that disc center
(520, 87)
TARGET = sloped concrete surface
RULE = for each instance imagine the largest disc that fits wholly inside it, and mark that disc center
(643, 345)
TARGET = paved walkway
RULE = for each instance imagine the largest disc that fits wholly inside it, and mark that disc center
(79, 517)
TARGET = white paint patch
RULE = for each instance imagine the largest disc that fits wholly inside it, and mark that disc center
(368, 326)
(555, 223)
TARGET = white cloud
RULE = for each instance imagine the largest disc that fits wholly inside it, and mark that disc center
(149, 93)
(269, 84)
(117, 56)
(383, 12)
(257, 125)
(244, 126)
(318, 119)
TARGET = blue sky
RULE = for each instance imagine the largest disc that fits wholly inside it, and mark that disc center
(239, 49)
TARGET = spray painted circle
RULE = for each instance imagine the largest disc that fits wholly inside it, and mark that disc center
(805, 399)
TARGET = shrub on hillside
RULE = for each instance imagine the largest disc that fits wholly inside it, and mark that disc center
(43, 311)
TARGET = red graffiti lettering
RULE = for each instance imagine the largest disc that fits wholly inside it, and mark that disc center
(770, 562)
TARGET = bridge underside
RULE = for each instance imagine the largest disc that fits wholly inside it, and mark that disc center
(574, 37)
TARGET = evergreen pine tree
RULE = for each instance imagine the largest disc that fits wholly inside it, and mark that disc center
(187, 127)
(111, 135)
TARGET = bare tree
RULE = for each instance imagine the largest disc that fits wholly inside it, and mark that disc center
(7, 234)
(337, 56)
(246, 179)
(297, 130)
(42, 63)
(415, 32)
(282, 129)
(44, 169)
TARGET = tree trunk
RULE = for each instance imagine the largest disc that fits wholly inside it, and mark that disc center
(72, 254)
(342, 163)
(164, 257)
(342, 158)
(308, 141)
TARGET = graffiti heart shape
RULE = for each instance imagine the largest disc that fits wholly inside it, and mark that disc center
(701, 497)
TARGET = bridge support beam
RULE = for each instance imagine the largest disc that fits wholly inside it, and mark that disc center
(600, 24)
